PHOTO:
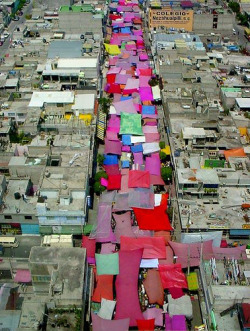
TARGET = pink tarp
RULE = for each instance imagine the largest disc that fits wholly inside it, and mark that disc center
(146, 94)
(131, 86)
(234, 252)
(103, 231)
(112, 169)
(190, 253)
(128, 305)
(122, 79)
(152, 137)
(149, 129)
(154, 247)
(112, 136)
(22, 276)
(126, 106)
(113, 147)
(153, 165)
(144, 81)
(101, 324)
(156, 180)
(138, 158)
(123, 226)
(138, 178)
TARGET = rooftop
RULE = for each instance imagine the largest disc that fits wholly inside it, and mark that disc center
(76, 9)
(39, 98)
(65, 49)
(69, 268)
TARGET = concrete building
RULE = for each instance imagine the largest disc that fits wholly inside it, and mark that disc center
(59, 274)
(217, 20)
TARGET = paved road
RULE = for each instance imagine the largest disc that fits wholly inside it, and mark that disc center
(11, 28)
(242, 40)
(25, 244)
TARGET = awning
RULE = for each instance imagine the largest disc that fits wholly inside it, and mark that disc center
(22, 276)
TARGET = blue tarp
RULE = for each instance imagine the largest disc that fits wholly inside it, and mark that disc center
(146, 110)
(125, 98)
(125, 30)
(125, 164)
(136, 148)
(110, 159)
(126, 139)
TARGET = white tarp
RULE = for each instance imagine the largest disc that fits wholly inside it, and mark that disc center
(188, 238)
(107, 309)
(180, 306)
(149, 148)
(138, 139)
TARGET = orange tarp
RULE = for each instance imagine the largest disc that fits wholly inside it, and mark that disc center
(236, 152)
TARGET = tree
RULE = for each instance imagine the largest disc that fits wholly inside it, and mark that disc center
(166, 174)
(243, 18)
(162, 144)
(100, 174)
(163, 156)
(100, 159)
(234, 6)
(98, 188)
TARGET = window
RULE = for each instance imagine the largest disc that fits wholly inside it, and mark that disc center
(28, 217)
(7, 217)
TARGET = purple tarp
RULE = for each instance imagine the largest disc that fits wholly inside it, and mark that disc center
(146, 93)
(126, 106)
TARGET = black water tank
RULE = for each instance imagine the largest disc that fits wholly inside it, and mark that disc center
(17, 195)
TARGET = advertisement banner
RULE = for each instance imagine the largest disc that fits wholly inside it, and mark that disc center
(169, 18)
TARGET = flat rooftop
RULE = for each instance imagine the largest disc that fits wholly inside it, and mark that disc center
(65, 49)
(212, 215)
(70, 269)
(39, 98)
(76, 9)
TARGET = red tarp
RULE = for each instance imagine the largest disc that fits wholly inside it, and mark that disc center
(138, 178)
(111, 78)
(103, 288)
(112, 169)
(114, 182)
(89, 244)
(114, 88)
(154, 248)
(154, 219)
(127, 305)
(172, 276)
(146, 325)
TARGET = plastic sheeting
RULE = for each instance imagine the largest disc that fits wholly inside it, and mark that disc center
(113, 147)
(176, 323)
(138, 178)
(141, 198)
(131, 124)
(181, 306)
(236, 152)
(153, 165)
(107, 309)
(89, 244)
(154, 313)
(114, 182)
(112, 49)
(149, 148)
(101, 324)
(107, 264)
(128, 305)
(190, 253)
(172, 276)
(103, 232)
(216, 236)
(146, 325)
(103, 288)
(153, 287)
(154, 219)
(234, 252)
(153, 248)
(123, 226)
(121, 202)
(126, 106)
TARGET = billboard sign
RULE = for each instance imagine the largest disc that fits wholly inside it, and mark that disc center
(170, 18)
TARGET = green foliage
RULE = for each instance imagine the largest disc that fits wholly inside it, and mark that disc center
(243, 18)
(105, 104)
(153, 82)
(98, 188)
(163, 156)
(28, 16)
(166, 174)
(170, 211)
(100, 174)
(234, 6)
(162, 144)
(247, 114)
(100, 159)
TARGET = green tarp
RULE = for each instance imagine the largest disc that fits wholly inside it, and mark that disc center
(107, 264)
(131, 124)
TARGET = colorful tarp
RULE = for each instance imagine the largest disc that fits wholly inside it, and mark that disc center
(131, 124)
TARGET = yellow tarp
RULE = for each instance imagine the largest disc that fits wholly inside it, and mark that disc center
(166, 150)
(67, 116)
(112, 49)
(86, 118)
(243, 131)
(192, 280)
